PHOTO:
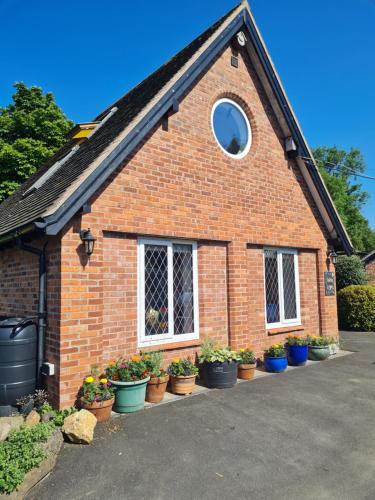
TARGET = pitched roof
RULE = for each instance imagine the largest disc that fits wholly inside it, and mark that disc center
(19, 210)
(369, 257)
(61, 194)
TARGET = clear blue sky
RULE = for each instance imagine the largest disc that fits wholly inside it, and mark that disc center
(88, 53)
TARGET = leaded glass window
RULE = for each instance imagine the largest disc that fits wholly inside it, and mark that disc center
(167, 291)
(281, 287)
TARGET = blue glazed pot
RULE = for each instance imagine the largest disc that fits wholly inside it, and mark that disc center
(297, 354)
(275, 365)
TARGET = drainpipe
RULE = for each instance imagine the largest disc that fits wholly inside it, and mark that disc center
(41, 303)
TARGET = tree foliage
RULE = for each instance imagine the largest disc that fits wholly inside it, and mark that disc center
(337, 167)
(356, 308)
(350, 271)
(32, 128)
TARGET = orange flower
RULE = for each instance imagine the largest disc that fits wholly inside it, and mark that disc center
(136, 358)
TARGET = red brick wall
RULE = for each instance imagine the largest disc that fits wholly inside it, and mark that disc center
(370, 269)
(19, 288)
(18, 283)
(179, 184)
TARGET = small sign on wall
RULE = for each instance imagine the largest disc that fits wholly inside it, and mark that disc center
(329, 283)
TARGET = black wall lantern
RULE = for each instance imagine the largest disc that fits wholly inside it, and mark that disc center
(331, 254)
(88, 240)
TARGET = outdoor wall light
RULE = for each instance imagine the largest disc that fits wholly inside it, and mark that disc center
(331, 254)
(88, 239)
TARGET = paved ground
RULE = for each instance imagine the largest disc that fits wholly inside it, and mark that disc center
(306, 434)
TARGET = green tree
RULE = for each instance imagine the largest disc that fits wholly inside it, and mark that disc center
(338, 168)
(32, 128)
(350, 271)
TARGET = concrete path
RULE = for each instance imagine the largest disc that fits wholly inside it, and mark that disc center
(305, 434)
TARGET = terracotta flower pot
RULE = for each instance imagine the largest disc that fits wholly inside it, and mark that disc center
(246, 371)
(101, 409)
(156, 388)
(182, 384)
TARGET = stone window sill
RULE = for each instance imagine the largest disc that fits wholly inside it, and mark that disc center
(285, 329)
(174, 345)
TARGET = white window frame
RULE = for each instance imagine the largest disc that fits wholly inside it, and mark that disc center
(249, 132)
(169, 337)
(283, 322)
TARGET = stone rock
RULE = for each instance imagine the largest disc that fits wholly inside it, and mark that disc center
(15, 422)
(79, 427)
(47, 417)
(33, 418)
(4, 430)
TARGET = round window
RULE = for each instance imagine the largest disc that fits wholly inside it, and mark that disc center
(231, 128)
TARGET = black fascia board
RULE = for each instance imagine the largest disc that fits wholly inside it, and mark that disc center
(95, 180)
(303, 149)
(70, 207)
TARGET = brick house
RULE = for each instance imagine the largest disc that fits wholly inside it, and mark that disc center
(369, 263)
(209, 214)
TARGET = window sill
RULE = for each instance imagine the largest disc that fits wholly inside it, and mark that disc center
(285, 329)
(173, 345)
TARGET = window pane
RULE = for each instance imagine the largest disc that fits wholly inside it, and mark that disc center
(272, 287)
(183, 289)
(289, 277)
(156, 289)
(230, 128)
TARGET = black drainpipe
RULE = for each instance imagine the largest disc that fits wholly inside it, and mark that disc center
(41, 303)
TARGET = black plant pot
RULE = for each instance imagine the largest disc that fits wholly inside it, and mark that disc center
(220, 375)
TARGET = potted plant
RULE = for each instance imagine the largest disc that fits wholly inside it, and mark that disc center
(275, 360)
(219, 365)
(129, 378)
(183, 374)
(97, 396)
(157, 384)
(297, 350)
(318, 348)
(246, 364)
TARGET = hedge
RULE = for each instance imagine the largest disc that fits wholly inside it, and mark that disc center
(350, 271)
(356, 308)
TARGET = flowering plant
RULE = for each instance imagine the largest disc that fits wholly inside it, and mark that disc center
(95, 389)
(275, 351)
(127, 370)
(247, 357)
(182, 367)
(153, 361)
(297, 340)
(211, 353)
(316, 341)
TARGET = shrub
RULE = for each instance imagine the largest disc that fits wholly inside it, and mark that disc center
(21, 453)
(356, 306)
(350, 271)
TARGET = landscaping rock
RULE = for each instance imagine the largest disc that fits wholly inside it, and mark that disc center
(79, 427)
(4, 430)
(47, 417)
(33, 418)
(15, 422)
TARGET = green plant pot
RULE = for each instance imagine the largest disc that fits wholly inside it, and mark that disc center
(129, 396)
(319, 353)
